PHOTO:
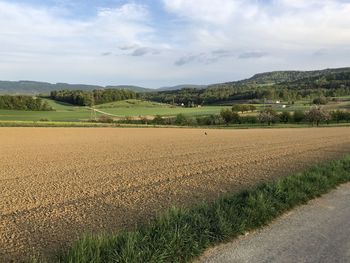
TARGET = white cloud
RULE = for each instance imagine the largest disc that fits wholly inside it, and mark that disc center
(43, 44)
(288, 31)
(201, 41)
(248, 23)
(216, 12)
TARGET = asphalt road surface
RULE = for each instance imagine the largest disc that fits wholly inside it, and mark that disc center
(316, 232)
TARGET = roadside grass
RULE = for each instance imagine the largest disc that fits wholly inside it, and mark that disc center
(182, 234)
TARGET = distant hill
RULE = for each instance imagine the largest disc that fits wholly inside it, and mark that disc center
(35, 87)
(183, 86)
(279, 85)
(129, 87)
(276, 77)
(267, 78)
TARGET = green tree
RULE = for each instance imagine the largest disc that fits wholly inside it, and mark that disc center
(298, 116)
(158, 120)
(252, 108)
(181, 119)
(317, 115)
(285, 117)
(242, 108)
(322, 100)
(227, 115)
(268, 116)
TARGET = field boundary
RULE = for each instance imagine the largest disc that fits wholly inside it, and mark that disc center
(182, 234)
(69, 124)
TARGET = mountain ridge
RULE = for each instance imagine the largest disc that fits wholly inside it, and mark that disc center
(27, 87)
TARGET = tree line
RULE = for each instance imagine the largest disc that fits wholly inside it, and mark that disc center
(315, 116)
(222, 94)
(22, 102)
(95, 97)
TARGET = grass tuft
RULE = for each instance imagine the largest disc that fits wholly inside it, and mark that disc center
(180, 234)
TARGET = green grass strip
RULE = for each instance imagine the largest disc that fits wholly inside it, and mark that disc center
(182, 234)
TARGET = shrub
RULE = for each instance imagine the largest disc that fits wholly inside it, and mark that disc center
(158, 120)
(298, 116)
(229, 117)
(285, 117)
(226, 115)
(105, 119)
(144, 120)
(339, 116)
(210, 120)
(183, 120)
(249, 119)
(320, 101)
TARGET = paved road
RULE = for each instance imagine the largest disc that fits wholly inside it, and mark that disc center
(316, 232)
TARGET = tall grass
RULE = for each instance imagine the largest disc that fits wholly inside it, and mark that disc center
(181, 234)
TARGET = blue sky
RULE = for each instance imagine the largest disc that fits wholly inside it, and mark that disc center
(156, 43)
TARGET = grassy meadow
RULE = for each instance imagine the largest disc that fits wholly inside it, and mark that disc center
(127, 108)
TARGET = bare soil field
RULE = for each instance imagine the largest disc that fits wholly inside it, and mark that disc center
(59, 183)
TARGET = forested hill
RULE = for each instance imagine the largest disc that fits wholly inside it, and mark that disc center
(275, 77)
(35, 87)
(261, 79)
(329, 83)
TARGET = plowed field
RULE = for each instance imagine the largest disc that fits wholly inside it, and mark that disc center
(58, 183)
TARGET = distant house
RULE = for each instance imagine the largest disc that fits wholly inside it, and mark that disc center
(278, 101)
(284, 106)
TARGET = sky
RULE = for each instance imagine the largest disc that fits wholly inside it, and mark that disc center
(156, 43)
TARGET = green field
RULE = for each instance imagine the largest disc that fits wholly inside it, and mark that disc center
(131, 108)
(137, 108)
(304, 105)
(147, 108)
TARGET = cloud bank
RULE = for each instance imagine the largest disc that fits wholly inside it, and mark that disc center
(165, 42)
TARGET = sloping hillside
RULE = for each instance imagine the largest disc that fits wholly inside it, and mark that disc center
(276, 77)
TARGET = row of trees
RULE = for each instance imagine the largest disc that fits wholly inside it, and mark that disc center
(22, 102)
(221, 93)
(315, 116)
(89, 98)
